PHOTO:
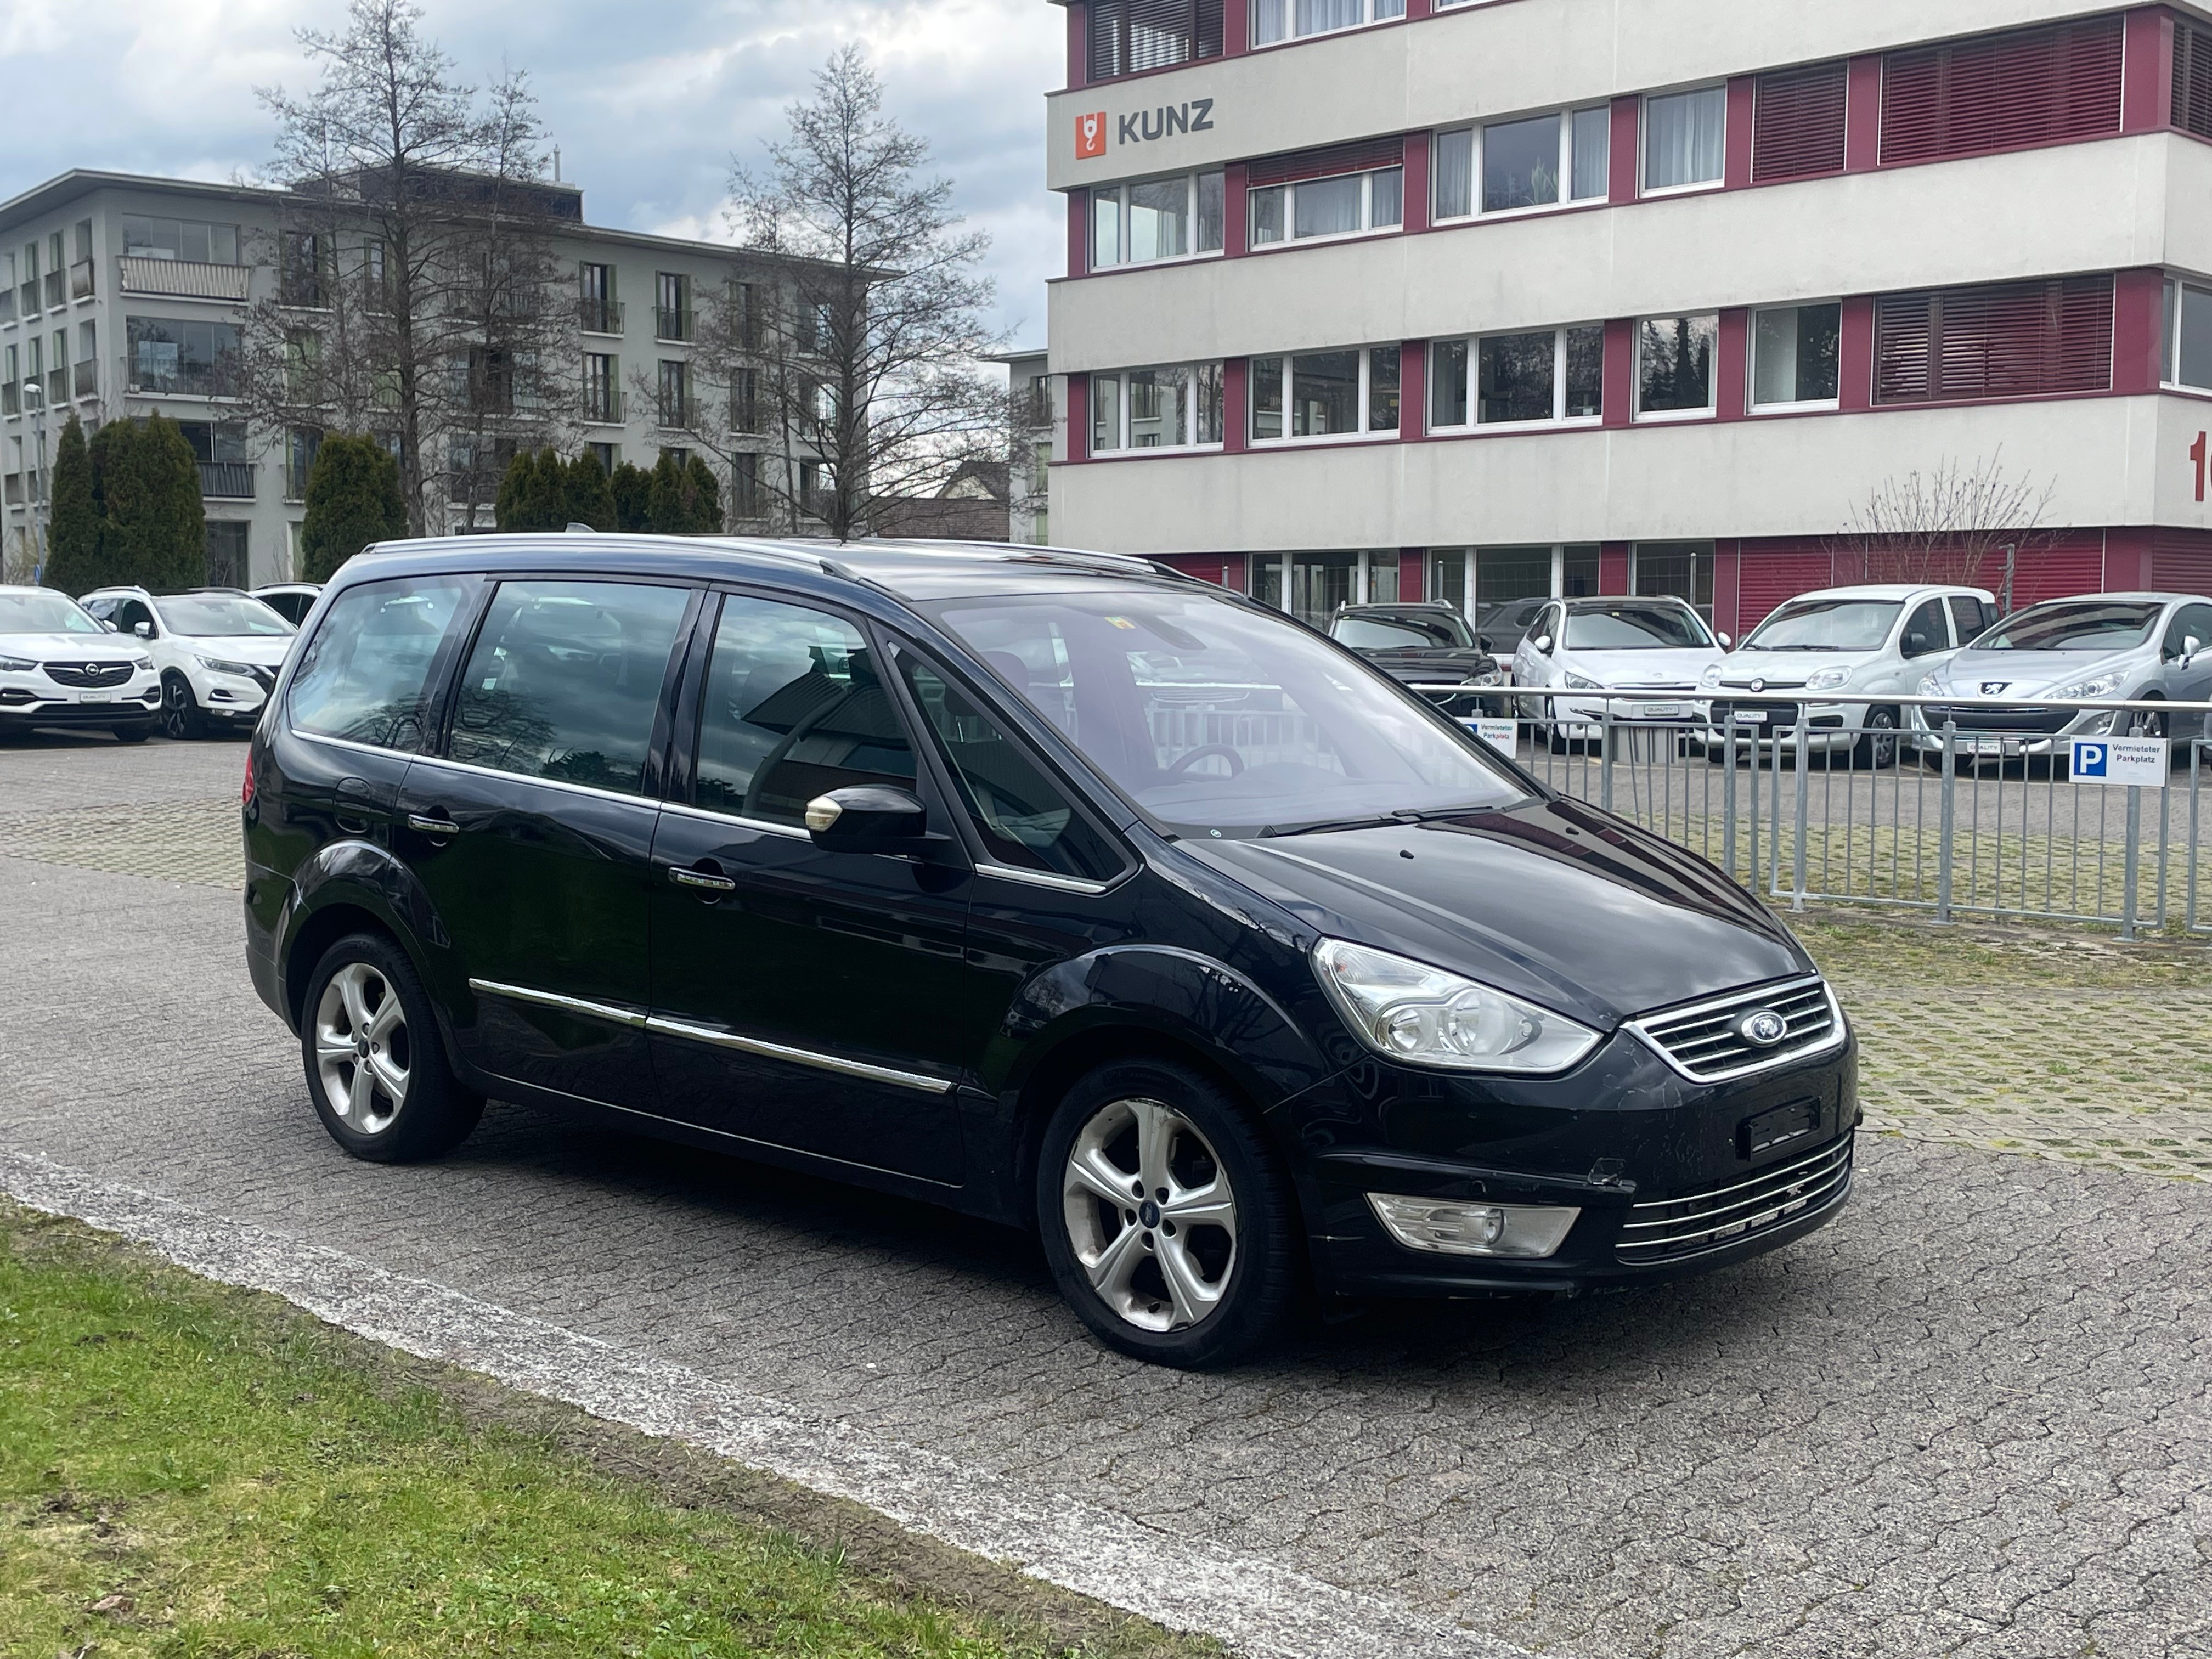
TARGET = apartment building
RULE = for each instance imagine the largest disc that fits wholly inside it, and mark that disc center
(121, 295)
(1372, 299)
(1032, 415)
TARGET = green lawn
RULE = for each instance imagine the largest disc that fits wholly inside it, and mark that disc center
(190, 1470)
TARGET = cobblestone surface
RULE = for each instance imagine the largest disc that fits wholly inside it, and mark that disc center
(1972, 1418)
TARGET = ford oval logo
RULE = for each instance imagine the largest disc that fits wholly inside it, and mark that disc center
(1764, 1028)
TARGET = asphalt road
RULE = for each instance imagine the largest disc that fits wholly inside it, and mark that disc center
(1970, 1418)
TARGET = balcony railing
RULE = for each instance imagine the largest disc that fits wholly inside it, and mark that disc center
(603, 405)
(57, 387)
(600, 316)
(185, 380)
(80, 280)
(681, 413)
(56, 288)
(673, 323)
(86, 376)
(27, 299)
(184, 279)
(11, 398)
(7, 304)
(227, 481)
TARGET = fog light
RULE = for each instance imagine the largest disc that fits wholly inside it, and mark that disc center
(1530, 1231)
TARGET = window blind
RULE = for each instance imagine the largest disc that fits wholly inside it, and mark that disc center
(2007, 340)
(1797, 127)
(1129, 35)
(1321, 164)
(2038, 85)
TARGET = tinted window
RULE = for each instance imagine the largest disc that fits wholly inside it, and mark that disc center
(1825, 625)
(1924, 631)
(2077, 625)
(793, 708)
(1635, 628)
(565, 680)
(365, 675)
(1024, 816)
(1969, 615)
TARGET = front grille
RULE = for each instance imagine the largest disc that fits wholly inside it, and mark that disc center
(1706, 1043)
(89, 675)
(1994, 717)
(1667, 1229)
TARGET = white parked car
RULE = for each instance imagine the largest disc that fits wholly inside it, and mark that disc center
(59, 666)
(1872, 641)
(217, 650)
(290, 600)
(1584, 648)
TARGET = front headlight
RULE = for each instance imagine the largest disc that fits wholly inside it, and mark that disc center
(1576, 683)
(1427, 1016)
(1712, 677)
(1827, 679)
(1491, 677)
(2103, 686)
(16, 664)
(141, 664)
(1931, 687)
(223, 666)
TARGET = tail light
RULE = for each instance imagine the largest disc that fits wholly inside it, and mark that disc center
(245, 794)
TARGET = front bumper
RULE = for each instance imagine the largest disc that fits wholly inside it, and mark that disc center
(1583, 715)
(1659, 1167)
(1994, 742)
(231, 696)
(128, 705)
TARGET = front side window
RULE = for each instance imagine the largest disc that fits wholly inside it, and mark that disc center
(1970, 616)
(1674, 365)
(1685, 139)
(1326, 394)
(1550, 374)
(1156, 219)
(365, 676)
(1342, 206)
(565, 680)
(1291, 20)
(2190, 623)
(1924, 632)
(1794, 356)
(1024, 819)
(1174, 406)
(1218, 719)
(792, 707)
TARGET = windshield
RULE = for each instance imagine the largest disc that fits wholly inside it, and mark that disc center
(1220, 720)
(2095, 626)
(217, 616)
(1437, 632)
(1826, 625)
(1636, 628)
(44, 613)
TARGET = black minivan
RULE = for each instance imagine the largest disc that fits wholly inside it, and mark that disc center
(1054, 887)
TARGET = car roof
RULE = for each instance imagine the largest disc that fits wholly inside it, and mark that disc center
(2138, 597)
(1398, 607)
(1892, 591)
(1589, 599)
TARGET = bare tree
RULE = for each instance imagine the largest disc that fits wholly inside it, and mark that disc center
(1953, 522)
(416, 291)
(867, 359)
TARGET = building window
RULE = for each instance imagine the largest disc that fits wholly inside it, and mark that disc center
(190, 239)
(301, 444)
(1685, 139)
(671, 306)
(1326, 394)
(1539, 161)
(227, 564)
(2187, 359)
(2007, 340)
(609, 456)
(744, 400)
(602, 387)
(1680, 570)
(1128, 35)
(598, 310)
(1674, 367)
(1343, 206)
(168, 355)
(2040, 86)
(1797, 123)
(2192, 78)
(1157, 219)
(1794, 357)
(1554, 374)
(745, 486)
(304, 274)
(1293, 20)
(675, 388)
(1174, 407)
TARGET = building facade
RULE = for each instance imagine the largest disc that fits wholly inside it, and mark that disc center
(1032, 415)
(122, 296)
(1373, 298)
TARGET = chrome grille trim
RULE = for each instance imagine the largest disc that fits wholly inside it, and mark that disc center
(89, 674)
(1668, 1228)
(1701, 1043)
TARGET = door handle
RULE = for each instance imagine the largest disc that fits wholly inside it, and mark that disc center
(431, 826)
(706, 880)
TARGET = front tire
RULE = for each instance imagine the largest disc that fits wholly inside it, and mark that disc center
(181, 709)
(133, 733)
(1170, 1226)
(1876, 749)
(376, 1065)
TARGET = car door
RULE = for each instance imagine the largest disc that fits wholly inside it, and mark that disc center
(2188, 673)
(530, 829)
(805, 997)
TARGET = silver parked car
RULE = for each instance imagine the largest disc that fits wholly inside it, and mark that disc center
(2127, 648)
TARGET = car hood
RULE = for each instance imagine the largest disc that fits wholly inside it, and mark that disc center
(1552, 900)
(71, 647)
(1787, 669)
(1442, 665)
(266, 649)
(2030, 673)
(1618, 669)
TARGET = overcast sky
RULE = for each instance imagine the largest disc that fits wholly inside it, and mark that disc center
(647, 98)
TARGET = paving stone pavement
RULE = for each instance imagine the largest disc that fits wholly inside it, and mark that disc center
(1970, 1418)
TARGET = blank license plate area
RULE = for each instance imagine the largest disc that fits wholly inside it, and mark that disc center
(1780, 1126)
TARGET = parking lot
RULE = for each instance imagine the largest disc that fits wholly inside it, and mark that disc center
(1970, 1417)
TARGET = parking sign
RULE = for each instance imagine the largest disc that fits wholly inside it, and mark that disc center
(1504, 735)
(2141, 762)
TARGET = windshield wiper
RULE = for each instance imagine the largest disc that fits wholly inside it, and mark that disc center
(1405, 817)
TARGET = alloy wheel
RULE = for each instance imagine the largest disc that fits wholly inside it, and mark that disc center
(2148, 724)
(176, 708)
(1882, 729)
(362, 1050)
(1151, 1215)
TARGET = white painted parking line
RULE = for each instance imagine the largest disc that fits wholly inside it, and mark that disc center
(1256, 1608)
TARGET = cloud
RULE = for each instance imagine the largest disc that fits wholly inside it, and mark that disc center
(648, 101)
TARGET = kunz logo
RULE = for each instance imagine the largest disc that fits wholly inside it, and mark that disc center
(1763, 1027)
(1145, 126)
(1090, 135)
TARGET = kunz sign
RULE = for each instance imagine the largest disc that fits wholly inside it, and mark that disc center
(1144, 127)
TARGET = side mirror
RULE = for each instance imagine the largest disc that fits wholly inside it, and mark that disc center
(1482, 644)
(866, 818)
(1916, 644)
(1543, 644)
(1727, 644)
(2190, 645)
(143, 630)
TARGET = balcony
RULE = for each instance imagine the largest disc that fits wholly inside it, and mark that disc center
(182, 279)
(27, 299)
(11, 398)
(603, 405)
(86, 377)
(7, 304)
(674, 322)
(56, 288)
(80, 275)
(227, 481)
(600, 316)
(186, 379)
(58, 387)
(679, 414)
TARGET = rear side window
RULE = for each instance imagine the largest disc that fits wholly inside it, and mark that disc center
(1024, 818)
(565, 680)
(793, 708)
(1970, 616)
(365, 675)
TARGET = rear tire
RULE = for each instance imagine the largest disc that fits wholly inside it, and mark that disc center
(1198, 1278)
(375, 1061)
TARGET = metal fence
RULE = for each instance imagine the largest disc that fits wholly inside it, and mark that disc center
(1990, 820)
